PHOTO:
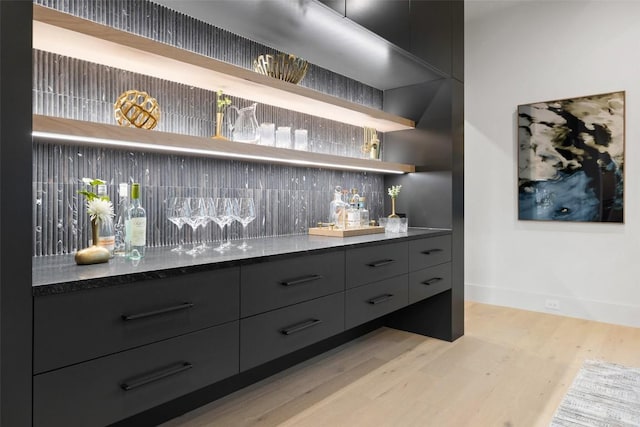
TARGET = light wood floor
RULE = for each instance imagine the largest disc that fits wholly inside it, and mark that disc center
(511, 369)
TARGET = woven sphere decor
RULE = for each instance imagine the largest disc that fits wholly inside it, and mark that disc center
(137, 108)
(282, 66)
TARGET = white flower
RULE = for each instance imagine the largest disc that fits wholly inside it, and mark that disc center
(100, 210)
(394, 191)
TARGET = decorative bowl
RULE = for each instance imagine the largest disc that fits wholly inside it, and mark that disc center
(282, 66)
(137, 108)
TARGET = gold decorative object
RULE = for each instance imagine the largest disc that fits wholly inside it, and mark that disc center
(282, 66)
(94, 254)
(137, 108)
(371, 144)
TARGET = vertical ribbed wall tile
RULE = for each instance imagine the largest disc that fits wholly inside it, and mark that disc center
(288, 200)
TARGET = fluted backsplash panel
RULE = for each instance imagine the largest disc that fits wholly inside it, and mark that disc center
(288, 199)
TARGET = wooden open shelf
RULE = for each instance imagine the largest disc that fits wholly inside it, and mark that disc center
(77, 132)
(75, 37)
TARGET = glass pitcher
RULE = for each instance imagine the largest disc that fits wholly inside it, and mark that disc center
(245, 128)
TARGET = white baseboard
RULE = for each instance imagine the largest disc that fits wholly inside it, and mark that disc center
(619, 314)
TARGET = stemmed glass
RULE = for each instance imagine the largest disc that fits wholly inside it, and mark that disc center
(176, 213)
(196, 211)
(244, 212)
(223, 216)
(206, 218)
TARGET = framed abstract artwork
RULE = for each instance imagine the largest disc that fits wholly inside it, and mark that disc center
(571, 159)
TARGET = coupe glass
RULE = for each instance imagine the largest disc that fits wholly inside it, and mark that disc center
(223, 216)
(244, 211)
(176, 213)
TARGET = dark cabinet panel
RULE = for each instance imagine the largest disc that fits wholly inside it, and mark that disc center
(74, 327)
(270, 285)
(375, 300)
(457, 40)
(373, 263)
(429, 282)
(387, 18)
(337, 5)
(425, 253)
(431, 32)
(270, 335)
(105, 390)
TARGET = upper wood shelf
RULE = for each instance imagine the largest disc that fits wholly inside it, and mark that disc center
(75, 37)
(77, 132)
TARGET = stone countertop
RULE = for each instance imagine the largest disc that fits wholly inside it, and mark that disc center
(60, 274)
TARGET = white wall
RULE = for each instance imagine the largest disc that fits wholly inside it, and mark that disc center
(517, 52)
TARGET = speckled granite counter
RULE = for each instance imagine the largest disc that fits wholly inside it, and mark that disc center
(60, 274)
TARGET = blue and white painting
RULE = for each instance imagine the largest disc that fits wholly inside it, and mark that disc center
(571, 159)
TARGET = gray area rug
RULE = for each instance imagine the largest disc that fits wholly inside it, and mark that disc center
(602, 395)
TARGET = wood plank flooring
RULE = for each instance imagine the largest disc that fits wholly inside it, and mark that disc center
(511, 369)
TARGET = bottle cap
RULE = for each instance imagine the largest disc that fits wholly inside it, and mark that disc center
(135, 190)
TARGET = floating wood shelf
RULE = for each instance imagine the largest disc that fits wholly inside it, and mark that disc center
(75, 37)
(77, 132)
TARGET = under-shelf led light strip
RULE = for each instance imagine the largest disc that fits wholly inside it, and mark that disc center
(183, 150)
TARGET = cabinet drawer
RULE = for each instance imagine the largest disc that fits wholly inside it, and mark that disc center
(107, 389)
(276, 284)
(424, 253)
(428, 282)
(373, 263)
(375, 300)
(267, 336)
(74, 327)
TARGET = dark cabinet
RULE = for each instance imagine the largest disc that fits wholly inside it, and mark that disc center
(374, 300)
(74, 327)
(387, 18)
(337, 5)
(431, 32)
(269, 335)
(107, 389)
(428, 282)
(373, 263)
(425, 253)
(269, 285)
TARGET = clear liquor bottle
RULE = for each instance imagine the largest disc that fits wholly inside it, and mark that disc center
(120, 248)
(106, 237)
(135, 226)
(338, 209)
(353, 213)
(364, 212)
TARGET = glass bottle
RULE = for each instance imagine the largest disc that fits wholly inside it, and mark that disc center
(106, 237)
(119, 228)
(364, 212)
(135, 225)
(338, 209)
(353, 212)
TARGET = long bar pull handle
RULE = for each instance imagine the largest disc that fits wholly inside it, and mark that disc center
(432, 281)
(431, 251)
(381, 298)
(300, 326)
(302, 280)
(155, 376)
(183, 306)
(381, 263)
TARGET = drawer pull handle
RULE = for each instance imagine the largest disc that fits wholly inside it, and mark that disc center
(301, 280)
(300, 326)
(381, 298)
(432, 281)
(155, 376)
(136, 316)
(431, 251)
(382, 262)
